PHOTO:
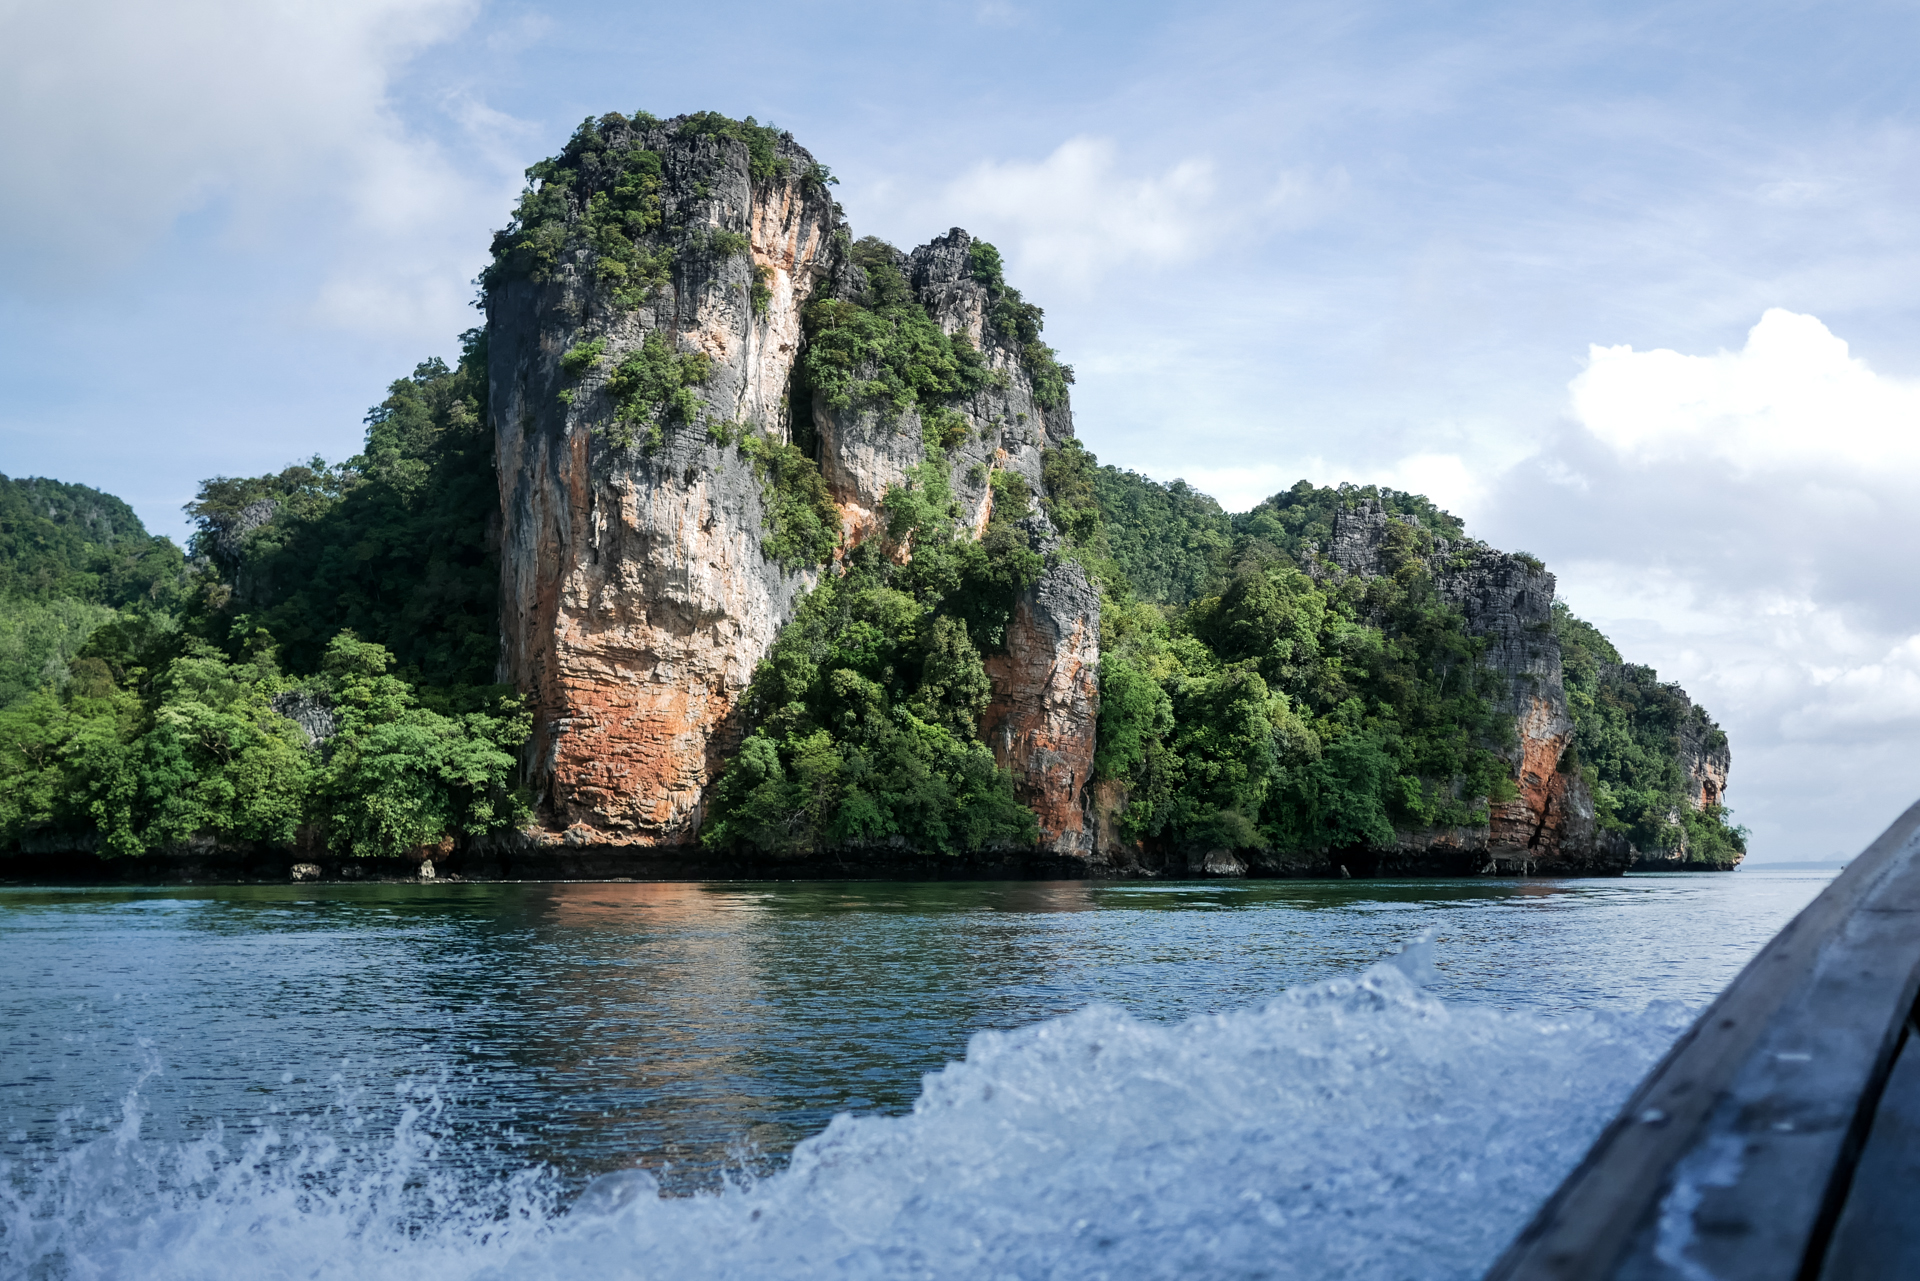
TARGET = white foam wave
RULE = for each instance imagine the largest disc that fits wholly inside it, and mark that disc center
(1355, 1128)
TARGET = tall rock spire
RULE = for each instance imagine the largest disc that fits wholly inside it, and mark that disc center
(647, 315)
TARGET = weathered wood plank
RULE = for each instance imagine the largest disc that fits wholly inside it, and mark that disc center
(1878, 1235)
(1723, 1163)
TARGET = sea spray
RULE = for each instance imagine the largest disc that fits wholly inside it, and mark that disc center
(1357, 1128)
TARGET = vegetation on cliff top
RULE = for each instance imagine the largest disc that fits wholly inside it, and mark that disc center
(1247, 706)
(603, 193)
(882, 346)
(603, 196)
(1380, 713)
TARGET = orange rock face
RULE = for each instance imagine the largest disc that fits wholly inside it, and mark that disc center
(637, 594)
(1046, 701)
(1532, 828)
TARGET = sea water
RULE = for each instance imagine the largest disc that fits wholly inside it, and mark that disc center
(851, 1080)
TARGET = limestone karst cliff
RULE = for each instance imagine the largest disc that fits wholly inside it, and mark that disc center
(712, 403)
(636, 592)
(1507, 600)
(1424, 717)
(657, 434)
(785, 541)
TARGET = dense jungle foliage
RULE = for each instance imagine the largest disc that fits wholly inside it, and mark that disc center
(1632, 732)
(869, 706)
(70, 557)
(365, 589)
(1246, 706)
(1379, 714)
(867, 711)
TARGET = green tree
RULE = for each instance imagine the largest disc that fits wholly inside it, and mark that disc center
(399, 775)
(393, 544)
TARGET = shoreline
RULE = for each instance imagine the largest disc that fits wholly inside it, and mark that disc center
(616, 864)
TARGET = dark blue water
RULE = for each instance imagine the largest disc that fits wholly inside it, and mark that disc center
(427, 1060)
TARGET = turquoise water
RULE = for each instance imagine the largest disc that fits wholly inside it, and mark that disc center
(420, 1080)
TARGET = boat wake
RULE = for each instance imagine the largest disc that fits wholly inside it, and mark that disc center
(1355, 1128)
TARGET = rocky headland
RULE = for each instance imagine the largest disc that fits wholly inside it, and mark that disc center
(801, 570)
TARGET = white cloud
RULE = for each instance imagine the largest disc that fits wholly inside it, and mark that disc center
(123, 117)
(1792, 396)
(1088, 211)
(1881, 694)
(1740, 521)
(1082, 212)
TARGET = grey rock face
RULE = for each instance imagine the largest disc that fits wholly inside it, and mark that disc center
(1045, 709)
(1508, 601)
(1704, 755)
(637, 596)
(232, 534)
(316, 717)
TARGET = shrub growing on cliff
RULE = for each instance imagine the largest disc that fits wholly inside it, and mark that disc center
(728, 244)
(653, 388)
(869, 708)
(1067, 470)
(581, 357)
(805, 523)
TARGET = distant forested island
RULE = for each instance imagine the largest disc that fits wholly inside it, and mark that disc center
(971, 642)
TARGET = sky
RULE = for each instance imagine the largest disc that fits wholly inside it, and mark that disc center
(1629, 286)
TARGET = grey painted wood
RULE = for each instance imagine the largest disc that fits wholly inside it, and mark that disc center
(1730, 1160)
(1878, 1235)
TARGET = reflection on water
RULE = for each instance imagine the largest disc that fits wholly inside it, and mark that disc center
(687, 1027)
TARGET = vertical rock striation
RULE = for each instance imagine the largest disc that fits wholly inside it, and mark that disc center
(1507, 600)
(638, 591)
(1706, 758)
(1040, 723)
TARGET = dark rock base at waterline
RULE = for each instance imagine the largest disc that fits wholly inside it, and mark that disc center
(599, 863)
